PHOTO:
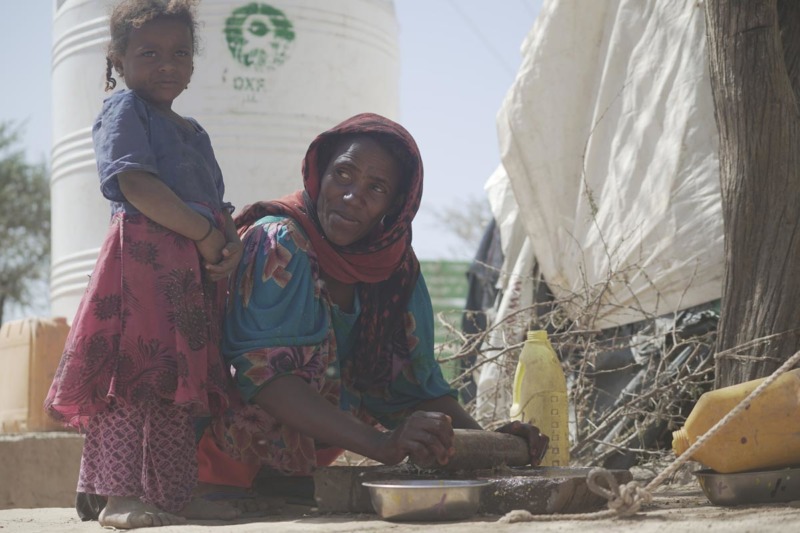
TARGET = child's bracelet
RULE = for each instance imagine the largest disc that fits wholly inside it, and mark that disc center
(210, 229)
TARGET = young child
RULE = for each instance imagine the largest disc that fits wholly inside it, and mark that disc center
(142, 357)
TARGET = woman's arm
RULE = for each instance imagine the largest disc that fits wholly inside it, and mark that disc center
(450, 406)
(291, 401)
(159, 203)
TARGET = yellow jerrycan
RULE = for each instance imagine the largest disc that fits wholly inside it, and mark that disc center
(540, 396)
(764, 436)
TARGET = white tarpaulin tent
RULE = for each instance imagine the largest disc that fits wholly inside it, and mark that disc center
(609, 177)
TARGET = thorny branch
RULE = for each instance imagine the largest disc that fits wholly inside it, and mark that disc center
(629, 387)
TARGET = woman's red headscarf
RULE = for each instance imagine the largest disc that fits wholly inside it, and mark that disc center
(384, 267)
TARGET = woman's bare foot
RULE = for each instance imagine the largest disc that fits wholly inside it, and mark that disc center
(128, 513)
(200, 509)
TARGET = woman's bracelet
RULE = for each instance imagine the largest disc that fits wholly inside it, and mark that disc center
(210, 229)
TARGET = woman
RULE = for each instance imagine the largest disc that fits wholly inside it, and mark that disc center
(329, 324)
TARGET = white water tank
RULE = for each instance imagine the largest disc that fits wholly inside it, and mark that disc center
(270, 76)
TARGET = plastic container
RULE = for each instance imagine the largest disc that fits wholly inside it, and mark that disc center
(30, 350)
(764, 436)
(540, 396)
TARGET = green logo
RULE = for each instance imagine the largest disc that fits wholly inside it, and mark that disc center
(259, 36)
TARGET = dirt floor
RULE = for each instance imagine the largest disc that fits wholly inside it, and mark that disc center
(675, 508)
(38, 474)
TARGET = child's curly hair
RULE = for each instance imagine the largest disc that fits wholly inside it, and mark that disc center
(130, 14)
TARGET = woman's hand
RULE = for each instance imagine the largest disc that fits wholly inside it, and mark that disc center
(426, 437)
(537, 442)
(231, 254)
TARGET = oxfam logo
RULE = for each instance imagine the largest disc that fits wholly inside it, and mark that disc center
(259, 36)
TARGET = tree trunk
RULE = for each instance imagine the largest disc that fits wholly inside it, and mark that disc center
(754, 57)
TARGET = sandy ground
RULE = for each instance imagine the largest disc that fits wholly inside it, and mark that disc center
(674, 509)
(41, 470)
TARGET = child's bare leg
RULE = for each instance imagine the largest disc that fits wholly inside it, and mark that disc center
(128, 513)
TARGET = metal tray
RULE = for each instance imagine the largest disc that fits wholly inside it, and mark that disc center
(767, 486)
(425, 499)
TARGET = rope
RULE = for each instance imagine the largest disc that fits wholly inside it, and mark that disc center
(626, 500)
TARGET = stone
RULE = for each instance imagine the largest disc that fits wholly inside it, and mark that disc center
(39, 469)
(538, 490)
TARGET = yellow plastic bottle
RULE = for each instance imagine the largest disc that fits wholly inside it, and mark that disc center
(765, 436)
(540, 396)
